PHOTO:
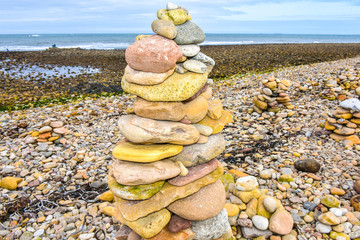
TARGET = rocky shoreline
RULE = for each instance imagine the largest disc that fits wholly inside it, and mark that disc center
(59, 183)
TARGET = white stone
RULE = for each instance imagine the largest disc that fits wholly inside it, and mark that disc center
(347, 227)
(354, 235)
(322, 228)
(171, 6)
(86, 236)
(189, 50)
(204, 130)
(352, 104)
(45, 129)
(260, 222)
(39, 232)
(270, 204)
(267, 173)
(337, 212)
(247, 183)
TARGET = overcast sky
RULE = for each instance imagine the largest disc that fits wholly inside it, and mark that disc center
(221, 16)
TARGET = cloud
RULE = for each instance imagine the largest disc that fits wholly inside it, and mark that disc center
(295, 10)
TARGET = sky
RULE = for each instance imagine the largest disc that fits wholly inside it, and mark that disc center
(221, 16)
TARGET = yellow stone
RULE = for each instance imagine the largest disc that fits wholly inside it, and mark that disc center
(260, 104)
(355, 120)
(108, 210)
(106, 196)
(145, 153)
(35, 134)
(329, 127)
(168, 194)
(337, 191)
(142, 36)
(177, 87)
(196, 109)
(147, 226)
(287, 83)
(232, 209)
(296, 154)
(177, 16)
(271, 85)
(215, 109)
(238, 173)
(10, 183)
(218, 125)
(335, 235)
(53, 138)
(246, 196)
(251, 207)
(261, 209)
(344, 116)
(41, 219)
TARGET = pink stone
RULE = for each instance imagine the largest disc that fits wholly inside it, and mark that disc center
(195, 173)
(153, 54)
(177, 224)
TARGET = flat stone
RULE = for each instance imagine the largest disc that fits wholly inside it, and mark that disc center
(164, 28)
(171, 6)
(145, 153)
(218, 125)
(196, 109)
(189, 33)
(177, 87)
(167, 195)
(201, 153)
(138, 192)
(330, 201)
(190, 50)
(61, 130)
(212, 228)
(281, 222)
(205, 203)
(153, 54)
(130, 173)
(10, 183)
(165, 234)
(144, 130)
(145, 78)
(195, 66)
(351, 104)
(177, 224)
(307, 165)
(198, 93)
(123, 233)
(45, 129)
(42, 147)
(201, 57)
(147, 226)
(253, 232)
(171, 111)
(195, 173)
(215, 109)
(322, 228)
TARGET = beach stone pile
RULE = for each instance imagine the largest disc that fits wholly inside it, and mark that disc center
(344, 122)
(165, 177)
(273, 96)
(252, 212)
(344, 85)
(50, 131)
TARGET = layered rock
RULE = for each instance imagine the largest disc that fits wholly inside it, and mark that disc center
(165, 176)
(344, 122)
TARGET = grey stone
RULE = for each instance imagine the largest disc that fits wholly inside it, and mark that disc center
(43, 147)
(322, 228)
(254, 232)
(201, 57)
(180, 69)
(26, 236)
(3, 233)
(309, 206)
(195, 66)
(189, 33)
(355, 235)
(211, 228)
(189, 50)
(260, 222)
(201, 153)
(39, 232)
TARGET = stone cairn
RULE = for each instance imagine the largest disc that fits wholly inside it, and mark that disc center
(51, 130)
(165, 176)
(272, 97)
(345, 122)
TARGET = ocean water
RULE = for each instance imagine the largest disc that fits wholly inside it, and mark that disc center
(37, 42)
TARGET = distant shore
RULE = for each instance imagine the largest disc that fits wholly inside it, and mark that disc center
(230, 60)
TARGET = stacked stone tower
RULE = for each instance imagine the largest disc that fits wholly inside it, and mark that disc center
(165, 176)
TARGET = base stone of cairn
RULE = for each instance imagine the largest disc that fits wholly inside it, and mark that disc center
(273, 96)
(165, 177)
(344, 122)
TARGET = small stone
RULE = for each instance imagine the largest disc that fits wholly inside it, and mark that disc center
(355, 202)
(323, 228)
(10, 183)
(286, 178)
(270, 204)
(336, 211)
(189, 33)
(267, 173)
(45, 129)
(308, 219)
(86, 236)
(208, 61)
(351, 104)
(171, 6)
(232, 209)
(246, 183)
(177, 224)
(204, 130)
(190, 51)
(196, 109)
(164, 28)
(357, 186)
(253, 232)
(260, 222)
(215, 109)
(338, 228)
(329, 219)
(338, 236)
(251, 207)
(307, 165)
(106, 196)
(330, 201)
(281, 222)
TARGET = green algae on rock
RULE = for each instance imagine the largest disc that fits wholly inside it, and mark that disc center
(138, 192)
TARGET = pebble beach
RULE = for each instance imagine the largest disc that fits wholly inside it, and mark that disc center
(60, 184)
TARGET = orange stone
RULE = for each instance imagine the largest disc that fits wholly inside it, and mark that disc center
(341, 97)
(45, 135)
(237, 173)
(166, 235)
(354, 139)
(337, 191)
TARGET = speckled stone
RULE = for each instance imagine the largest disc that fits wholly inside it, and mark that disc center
(189, 33)
(219, 124)
(164, 28)
(178, 87)
(132, 211)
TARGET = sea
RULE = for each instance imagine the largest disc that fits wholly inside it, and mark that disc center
(38, 42)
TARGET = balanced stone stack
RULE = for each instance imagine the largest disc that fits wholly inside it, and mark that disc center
(51, 130)
(165, 177)
(345, 122)
(272, 97)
